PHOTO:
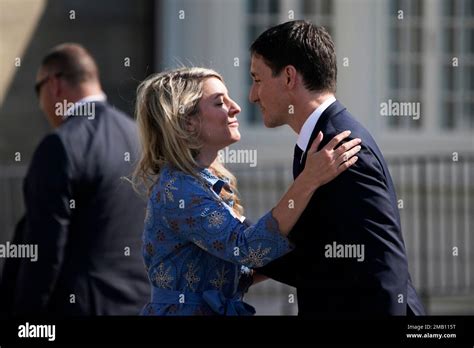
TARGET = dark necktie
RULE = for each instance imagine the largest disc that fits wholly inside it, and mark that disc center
(297, 161)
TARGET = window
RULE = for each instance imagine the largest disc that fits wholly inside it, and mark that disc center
(405, 57)
(457, 90)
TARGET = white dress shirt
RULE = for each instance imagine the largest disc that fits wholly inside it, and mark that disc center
(310, 123)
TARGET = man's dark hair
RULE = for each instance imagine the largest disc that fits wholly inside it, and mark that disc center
(73, 62)
(309, 48)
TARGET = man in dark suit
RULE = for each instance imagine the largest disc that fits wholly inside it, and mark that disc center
(350, 258)
(86, 220)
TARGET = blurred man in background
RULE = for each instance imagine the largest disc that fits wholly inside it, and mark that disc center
(85, 220)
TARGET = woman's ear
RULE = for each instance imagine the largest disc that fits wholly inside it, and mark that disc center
(192, 123)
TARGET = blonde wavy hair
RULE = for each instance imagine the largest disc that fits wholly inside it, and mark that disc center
(165, 102)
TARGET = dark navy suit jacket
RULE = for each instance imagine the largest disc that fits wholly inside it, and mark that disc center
(86, 220)
(359, 207)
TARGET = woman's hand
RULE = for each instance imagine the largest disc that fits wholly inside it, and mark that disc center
(323, 166)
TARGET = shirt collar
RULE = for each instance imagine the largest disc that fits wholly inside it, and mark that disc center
(215, 182)
(310, 123)
(90, 98)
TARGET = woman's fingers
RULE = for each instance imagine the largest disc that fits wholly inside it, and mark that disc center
(336, 140)
(346, 146)
(347, 164)
(347, 155)
(328, 163)
(316, 142)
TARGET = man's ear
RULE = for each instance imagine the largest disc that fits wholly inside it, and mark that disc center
(290, 76)
(56, 87)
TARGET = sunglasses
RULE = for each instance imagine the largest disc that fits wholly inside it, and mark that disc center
(41, 82)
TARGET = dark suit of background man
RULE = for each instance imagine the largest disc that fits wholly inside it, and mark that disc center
(86, 220)
(294, 64)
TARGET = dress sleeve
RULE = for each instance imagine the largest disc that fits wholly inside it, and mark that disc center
(191, 211)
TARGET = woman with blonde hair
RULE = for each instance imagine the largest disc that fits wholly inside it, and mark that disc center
(197, 248)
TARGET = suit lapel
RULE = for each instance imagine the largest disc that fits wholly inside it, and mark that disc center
(297, 161)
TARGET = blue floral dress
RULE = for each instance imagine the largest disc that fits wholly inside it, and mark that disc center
(197, 252)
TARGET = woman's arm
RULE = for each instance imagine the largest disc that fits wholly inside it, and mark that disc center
(321, 167)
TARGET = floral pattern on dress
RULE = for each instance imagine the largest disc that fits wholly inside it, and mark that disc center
(221, 278)
(216, 219)
(191, 277)
(169, 188)
(162, 277)
(256, 257)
